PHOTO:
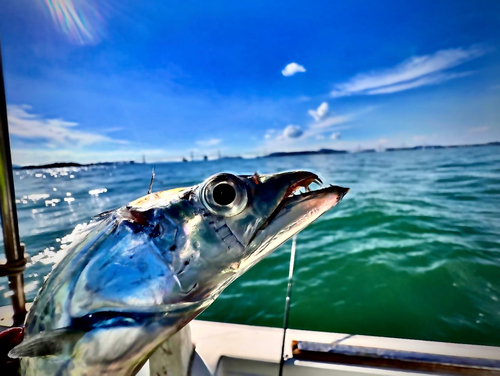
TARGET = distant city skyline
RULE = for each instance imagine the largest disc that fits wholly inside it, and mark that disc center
(95, 81)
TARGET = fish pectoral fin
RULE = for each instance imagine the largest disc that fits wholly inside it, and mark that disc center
(57, 342)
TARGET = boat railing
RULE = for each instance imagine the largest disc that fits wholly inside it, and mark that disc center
(14, 268)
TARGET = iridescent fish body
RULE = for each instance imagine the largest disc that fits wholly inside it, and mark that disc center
(136, 275)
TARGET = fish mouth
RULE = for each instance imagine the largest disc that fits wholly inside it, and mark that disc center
(301, 200)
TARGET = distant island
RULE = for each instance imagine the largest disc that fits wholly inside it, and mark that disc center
(226, 158)
(205, 159)
(425, 147)
(331, 151)
(71, 164)
(309, 152)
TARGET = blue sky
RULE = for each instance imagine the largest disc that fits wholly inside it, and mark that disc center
(104, 80)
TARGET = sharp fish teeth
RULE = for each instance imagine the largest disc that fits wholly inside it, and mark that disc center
(319, 182)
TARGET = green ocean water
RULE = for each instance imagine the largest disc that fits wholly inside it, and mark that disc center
(413, 251)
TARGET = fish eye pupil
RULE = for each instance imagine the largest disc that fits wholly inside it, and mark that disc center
(224, 194)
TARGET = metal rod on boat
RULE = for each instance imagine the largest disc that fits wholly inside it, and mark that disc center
(14, 251)
(287, 302)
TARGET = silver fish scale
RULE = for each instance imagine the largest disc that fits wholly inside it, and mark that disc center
(224, 233)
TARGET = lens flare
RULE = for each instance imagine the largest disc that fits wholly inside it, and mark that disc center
(79, 20)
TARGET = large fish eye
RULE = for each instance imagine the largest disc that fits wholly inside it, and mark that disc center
(224, 194)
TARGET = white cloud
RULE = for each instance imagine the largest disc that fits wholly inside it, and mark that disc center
(428, 80)
(335, 136)
(332, 120)
(315, 135)
(25, 124)
(209, 142)
(412, 73)
(292, 131)
(320, 112)
(294, 136)
(292, 68)
(270, 134)
(479, 129)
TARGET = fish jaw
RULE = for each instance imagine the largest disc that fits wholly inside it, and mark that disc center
(292, 215)
(267, 193)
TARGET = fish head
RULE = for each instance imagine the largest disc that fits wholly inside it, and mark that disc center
(229, 222)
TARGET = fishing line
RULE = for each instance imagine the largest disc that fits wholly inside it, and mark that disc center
(150, 189)
(287, 301)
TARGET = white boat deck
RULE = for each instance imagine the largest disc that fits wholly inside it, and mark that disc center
(232, 349)
(215, 340)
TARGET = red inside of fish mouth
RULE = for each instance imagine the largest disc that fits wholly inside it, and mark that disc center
(293, 193)
(294, 189)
